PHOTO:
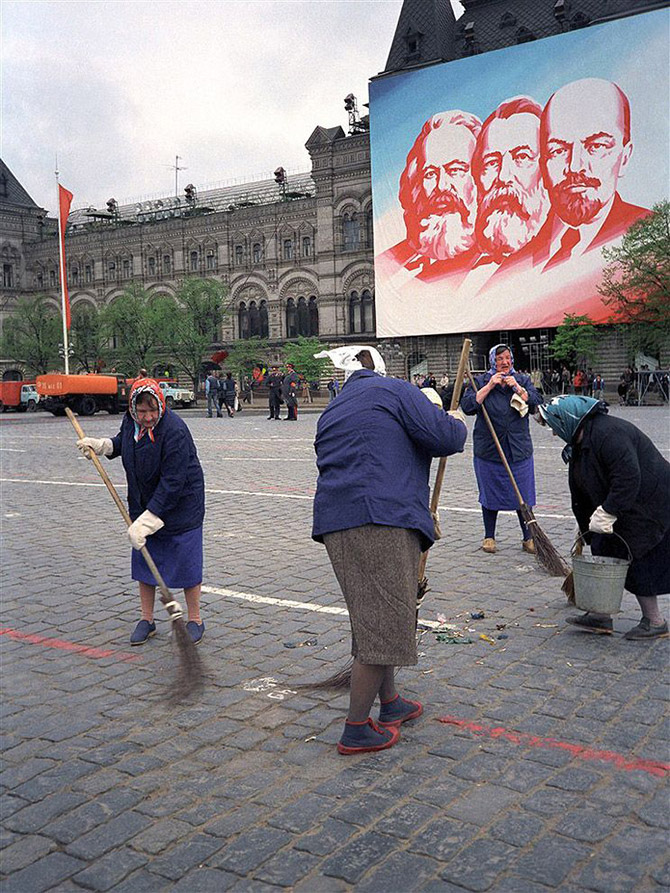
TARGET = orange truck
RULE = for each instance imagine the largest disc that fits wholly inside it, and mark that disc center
(18, 395)
(84, 394)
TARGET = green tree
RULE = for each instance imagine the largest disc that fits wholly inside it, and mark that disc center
(89, 339)
(247, 353)
(636, 281)
(194, 324)
(301, 354)
(141, 324)
(32, 334)
(575, 341)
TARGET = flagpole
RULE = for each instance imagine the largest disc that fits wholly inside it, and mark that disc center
(63, 273)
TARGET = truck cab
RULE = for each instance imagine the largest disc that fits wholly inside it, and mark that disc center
(176, 395)
(29, 397)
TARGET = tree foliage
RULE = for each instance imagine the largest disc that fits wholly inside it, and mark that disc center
(32, 334)
(636, 280)
(575, 341)
(141, 324)
(301, 354)
(194, 324)
(89, 339)
(247, 353)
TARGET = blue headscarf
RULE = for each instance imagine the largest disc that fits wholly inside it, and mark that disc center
(564, 415)
(492, 357)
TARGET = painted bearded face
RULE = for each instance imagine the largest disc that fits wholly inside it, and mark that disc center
(585, 148)
(513, 202)
(441, 222)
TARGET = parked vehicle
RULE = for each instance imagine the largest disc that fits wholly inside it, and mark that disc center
(19, 395)
(176, 395)
(84, 394)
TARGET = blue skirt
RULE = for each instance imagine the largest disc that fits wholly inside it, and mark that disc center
(178, 557)
(495, 488)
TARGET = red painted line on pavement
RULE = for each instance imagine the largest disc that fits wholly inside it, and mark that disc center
(629, 764)
(62, 645)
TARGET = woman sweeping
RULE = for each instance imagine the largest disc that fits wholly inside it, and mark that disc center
(166, 501)
(619, 483)
(509, 395)
(374, 446)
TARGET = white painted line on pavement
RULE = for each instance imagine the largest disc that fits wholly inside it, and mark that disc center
(290, 603)
(10, 450)
(272, 494)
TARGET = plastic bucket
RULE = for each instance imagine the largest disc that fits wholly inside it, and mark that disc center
(599, 581)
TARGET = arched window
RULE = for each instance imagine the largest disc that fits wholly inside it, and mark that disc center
(239, 254)
(243, 320)
(194, 261)
(369, 239)
(313, 316)
(303, 317)
(306, 246)
(264, 322)
(288, 249)
(256, 252)
(351, 232)
(367, 311)
(254, 320)
(354, 313)
(291, 319)
(151, 266)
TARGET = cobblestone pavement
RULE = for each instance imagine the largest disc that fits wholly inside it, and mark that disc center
(549, 775)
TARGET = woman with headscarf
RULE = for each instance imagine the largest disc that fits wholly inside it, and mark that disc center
(509, 395)
(619, 483)
(374, 446)
(166, 501)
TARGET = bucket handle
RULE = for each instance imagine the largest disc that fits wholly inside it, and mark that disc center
(582, 536)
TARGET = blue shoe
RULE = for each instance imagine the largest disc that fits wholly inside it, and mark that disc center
(365, 737)
(398, 710)
(143, 631)
(195, 631)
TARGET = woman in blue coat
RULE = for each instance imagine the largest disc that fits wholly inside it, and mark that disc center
(508, 395)
(374, 446)
(166, 501)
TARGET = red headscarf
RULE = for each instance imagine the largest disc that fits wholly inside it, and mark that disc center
(145, 386)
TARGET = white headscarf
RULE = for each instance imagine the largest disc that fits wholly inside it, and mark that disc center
(345, 358)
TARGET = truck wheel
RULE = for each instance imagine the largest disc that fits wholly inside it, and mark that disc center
(169, 402)
(87, 405)
(31, 406)
(187, 404)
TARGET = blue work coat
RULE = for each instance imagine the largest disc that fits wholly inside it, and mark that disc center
(374, 446)
(511, 429)
(164, 476)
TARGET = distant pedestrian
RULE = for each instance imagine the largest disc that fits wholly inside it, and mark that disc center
(228, 387)
(598, 387)
(274, 383)
(212, 393)
(290, 386)
(333, 388)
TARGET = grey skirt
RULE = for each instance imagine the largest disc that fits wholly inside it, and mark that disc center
(377, 568)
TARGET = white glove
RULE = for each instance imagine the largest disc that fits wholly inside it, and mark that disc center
(142, 527)
(433, 396)
(517, 402)
(457, 414)
(601, 521)
(101, 446)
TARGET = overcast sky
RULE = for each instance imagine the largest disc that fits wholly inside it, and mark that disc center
(118, 88)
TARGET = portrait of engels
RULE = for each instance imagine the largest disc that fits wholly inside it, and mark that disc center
(531, 188)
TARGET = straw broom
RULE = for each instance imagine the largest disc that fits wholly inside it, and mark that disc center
(189, 674)
(545, 552)
(342, 679)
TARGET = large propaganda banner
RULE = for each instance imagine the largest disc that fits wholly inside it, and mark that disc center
(499, 179)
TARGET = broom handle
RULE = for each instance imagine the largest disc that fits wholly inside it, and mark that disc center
(442, 464)
(503, 458)
(166, 595)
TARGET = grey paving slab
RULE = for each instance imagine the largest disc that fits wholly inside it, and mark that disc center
(538, 782)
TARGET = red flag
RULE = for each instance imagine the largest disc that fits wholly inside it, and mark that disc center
(64, 202)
